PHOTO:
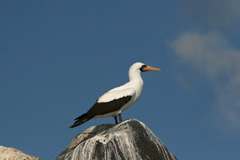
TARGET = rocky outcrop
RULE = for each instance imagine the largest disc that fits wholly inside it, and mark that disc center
(129, 140)
(7, 153)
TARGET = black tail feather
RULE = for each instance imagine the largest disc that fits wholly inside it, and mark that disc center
(81, 119)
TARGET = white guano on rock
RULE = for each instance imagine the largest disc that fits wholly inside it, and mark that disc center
(129, 140)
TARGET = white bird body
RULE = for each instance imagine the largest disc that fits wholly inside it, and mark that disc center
(132, 89)
(116, 100)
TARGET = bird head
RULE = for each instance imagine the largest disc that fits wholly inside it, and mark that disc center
(143, 67)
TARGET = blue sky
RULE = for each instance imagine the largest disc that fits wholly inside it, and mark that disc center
(57, 57)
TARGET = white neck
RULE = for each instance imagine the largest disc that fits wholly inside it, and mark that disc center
(134, 75)
(135, 81)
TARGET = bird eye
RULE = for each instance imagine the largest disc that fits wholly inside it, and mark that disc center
(142, 68)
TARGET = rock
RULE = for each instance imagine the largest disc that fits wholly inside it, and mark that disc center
(7, 153)
(129, 140)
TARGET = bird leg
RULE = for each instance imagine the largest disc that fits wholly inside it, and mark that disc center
(120, 117)
(116, 119)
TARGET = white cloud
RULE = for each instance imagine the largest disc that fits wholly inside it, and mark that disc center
(212, 55)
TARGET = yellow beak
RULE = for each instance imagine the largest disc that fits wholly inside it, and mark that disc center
(151, 68)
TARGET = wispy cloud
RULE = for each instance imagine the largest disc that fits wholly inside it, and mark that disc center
(213, 13)
(213, 55)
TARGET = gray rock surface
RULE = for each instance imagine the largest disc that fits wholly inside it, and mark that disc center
(129, 140)
(7, 153)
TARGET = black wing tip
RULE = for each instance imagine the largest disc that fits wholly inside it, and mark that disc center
(72, 126)
(80, 120)
(75, 124)
(80, 117)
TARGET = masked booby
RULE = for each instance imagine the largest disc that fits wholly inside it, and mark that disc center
(115, 101)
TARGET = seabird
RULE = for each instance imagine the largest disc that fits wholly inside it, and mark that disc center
(115, 101)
